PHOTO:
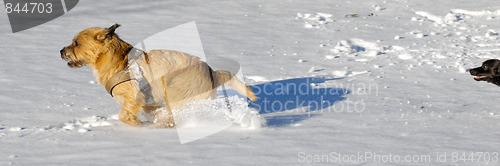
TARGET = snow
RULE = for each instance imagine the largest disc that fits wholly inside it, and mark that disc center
(368, 77)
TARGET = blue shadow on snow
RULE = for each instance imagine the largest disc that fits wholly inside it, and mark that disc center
(302, 95)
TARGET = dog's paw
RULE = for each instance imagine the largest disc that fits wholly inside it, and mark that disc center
(130, 119)
(166, 121)
(134, 123)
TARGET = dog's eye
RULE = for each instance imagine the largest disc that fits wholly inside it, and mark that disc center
(76, 43)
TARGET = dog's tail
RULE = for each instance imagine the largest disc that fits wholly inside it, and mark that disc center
(223, 76)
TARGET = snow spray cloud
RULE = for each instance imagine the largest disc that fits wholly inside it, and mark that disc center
(183, 38)
(26, 14)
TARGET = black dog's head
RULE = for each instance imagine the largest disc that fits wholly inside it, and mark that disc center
(489, 72)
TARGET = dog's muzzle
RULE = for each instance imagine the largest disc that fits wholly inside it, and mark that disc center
(67, 57)
(475, 71)
(64, 54)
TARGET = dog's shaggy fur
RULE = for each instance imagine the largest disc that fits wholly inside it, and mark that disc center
(489, 72)
(175, 78)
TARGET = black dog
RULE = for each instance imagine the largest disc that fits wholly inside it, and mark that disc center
(488, 72)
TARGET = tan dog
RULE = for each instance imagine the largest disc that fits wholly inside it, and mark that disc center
(173, 78)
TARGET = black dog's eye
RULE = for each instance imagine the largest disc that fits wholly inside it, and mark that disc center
(496, 70)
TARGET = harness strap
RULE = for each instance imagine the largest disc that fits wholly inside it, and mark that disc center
(116, 80)
(123, 76)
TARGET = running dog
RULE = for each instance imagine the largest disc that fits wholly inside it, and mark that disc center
(153, 79)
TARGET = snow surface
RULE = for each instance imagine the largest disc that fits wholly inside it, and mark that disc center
(349, 77)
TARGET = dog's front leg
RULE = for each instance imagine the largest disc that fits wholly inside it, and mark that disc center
(128, 113)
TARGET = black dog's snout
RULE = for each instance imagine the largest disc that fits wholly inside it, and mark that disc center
(476, 71)
(473, 72)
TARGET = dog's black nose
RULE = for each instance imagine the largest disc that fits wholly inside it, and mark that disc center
(62, 50)
(472, 72)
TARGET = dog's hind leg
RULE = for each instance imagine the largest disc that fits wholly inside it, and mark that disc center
(223, 76)
(161, 118)
(165, 120)
(150, 111)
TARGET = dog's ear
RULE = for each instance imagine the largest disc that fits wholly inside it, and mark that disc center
(108, 32)
(111, 30)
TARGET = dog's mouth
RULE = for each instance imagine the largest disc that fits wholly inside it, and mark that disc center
(478, 78)
(75, 64)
